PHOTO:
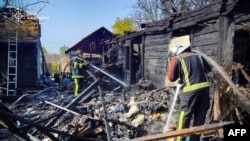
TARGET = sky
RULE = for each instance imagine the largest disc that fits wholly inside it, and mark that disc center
(65, 22)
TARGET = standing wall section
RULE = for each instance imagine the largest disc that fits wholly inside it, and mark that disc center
(155, 62)
(205, 39)
(27, 65)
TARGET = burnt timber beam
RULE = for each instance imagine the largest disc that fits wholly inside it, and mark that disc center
(83, 93)
(187, 131)
(75, 113)
(43, 129)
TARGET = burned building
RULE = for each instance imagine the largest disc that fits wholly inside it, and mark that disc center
(219, 30)
(216, 30)
(92, 45)
(20, 50)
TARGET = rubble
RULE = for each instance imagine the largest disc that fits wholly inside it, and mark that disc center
(98, 113)
(55, 114)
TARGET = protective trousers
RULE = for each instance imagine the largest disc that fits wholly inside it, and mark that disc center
(193, 105)
(78, 85)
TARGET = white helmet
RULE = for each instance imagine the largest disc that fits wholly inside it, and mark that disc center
(178, 49)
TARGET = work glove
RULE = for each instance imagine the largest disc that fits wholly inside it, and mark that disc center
(172, 83)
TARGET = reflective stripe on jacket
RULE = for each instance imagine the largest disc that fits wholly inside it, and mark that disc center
(192, 69)
(78, 69)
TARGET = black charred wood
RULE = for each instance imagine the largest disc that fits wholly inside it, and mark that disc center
(10, 122)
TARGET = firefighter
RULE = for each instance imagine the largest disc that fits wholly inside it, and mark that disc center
(191, 69)
(78, 72)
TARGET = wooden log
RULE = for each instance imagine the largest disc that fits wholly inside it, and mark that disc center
(217, 110)
(216, 106)
(187, 131)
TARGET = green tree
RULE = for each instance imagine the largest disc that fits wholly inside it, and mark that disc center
(122, 25)
(54, 67)
(45, 50)
(63, 49)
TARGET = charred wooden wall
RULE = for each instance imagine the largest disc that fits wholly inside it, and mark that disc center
(220, 30)
(155, 61)
(206, 40)
(26, 63)
(211, 29)
(27, 30)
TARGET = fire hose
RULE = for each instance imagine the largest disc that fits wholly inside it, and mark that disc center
(97, 68)
(241, 97)
(172, 106)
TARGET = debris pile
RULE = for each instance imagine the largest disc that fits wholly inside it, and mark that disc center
(96, 114)
(240, 76)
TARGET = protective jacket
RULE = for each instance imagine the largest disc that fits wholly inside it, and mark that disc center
(192, 69)
(79, 69)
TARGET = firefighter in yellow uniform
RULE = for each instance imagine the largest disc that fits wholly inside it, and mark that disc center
(192, 70)
(78, 71)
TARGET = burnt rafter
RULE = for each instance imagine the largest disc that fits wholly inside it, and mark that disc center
(191, 18)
